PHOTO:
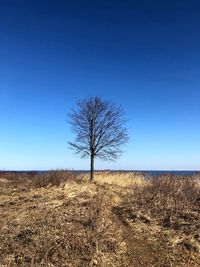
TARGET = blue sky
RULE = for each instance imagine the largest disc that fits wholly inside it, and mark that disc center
(144, 55)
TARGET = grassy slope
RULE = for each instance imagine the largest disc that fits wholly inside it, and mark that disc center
(120, 220)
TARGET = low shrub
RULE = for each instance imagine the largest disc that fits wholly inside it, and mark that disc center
(54, 178)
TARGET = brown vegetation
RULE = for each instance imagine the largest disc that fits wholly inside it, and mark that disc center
(61, 219)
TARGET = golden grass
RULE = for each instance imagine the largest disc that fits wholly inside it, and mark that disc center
(122, 179)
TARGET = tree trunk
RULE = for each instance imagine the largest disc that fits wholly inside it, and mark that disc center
(91, 167)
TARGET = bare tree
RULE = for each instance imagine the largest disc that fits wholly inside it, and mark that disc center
(99, 129)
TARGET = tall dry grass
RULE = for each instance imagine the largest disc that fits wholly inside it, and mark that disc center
(122, 179)
(167, 195)
(55, 178)
(36, 180)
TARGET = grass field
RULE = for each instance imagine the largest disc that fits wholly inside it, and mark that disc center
(120, 219)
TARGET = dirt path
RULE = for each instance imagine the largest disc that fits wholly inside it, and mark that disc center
(141, 251)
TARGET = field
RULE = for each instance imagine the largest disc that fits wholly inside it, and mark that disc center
(120, 219)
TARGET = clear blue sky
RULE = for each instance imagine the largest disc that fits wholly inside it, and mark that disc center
(144, 55)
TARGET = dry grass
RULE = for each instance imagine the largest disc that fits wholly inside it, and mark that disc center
(57, 222)
(32, 179)
(172, 206)
(122, 179)
(168, 195)
(61, 219)
(54, 178)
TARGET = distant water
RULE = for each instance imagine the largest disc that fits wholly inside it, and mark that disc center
(146, 172)
(178, 173)
(152, 172)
